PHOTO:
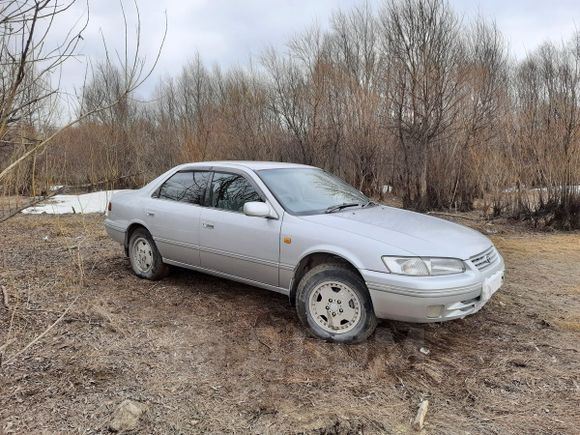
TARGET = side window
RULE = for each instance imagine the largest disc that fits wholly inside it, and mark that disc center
(185, 187)
(197, 191)
(231, 192)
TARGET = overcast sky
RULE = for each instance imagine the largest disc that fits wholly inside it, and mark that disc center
(229, 32)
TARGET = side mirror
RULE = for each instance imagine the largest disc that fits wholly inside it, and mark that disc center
(257, 209)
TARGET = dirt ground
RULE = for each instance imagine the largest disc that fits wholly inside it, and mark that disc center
(209, 355)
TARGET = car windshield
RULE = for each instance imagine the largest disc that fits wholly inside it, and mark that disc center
(310, 190)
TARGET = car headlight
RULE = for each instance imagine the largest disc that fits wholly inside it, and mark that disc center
(424, 266)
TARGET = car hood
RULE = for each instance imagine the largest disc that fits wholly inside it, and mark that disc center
(415, 233)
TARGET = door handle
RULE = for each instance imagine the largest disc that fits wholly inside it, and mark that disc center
(207, 225)
(150, 213)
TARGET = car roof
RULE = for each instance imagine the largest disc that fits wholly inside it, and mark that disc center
(247, 164)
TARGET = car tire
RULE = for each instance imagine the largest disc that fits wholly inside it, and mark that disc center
(335, 289)
(146, 261)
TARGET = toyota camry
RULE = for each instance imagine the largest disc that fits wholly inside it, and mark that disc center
(343, 260)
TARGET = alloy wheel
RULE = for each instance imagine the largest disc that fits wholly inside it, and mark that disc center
(335, 307)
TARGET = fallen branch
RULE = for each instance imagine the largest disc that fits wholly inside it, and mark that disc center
(46, 331)
(453, 215)
(30, 204)
(4, 347)
(57, 321)
(262, 343)
(100, 183)
(421, 413)
(5, 297)
(570, 349)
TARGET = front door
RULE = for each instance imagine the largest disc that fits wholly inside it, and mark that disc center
(233, 243)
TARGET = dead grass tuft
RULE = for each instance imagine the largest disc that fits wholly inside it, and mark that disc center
(568, 325)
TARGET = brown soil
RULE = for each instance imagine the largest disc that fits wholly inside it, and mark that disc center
(205, 354)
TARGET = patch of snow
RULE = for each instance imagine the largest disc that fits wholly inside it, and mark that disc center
(510, 190)
(94, 202)
(573, 188)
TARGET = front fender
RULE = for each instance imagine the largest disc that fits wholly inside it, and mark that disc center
(324, 248)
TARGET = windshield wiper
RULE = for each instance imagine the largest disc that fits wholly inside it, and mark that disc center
(369, 204)
(338, 207)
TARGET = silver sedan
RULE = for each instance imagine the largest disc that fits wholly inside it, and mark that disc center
(343, 260)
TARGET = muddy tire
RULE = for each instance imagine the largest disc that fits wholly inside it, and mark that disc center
(145, 258)
(333, 302)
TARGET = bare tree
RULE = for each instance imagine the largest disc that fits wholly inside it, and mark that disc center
(547, 87)
(424, 53)
(483, 106)
(285, 97)
(30, 22)
(27, 63)
(357, 88)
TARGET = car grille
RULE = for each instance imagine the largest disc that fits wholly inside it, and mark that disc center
(485, 259)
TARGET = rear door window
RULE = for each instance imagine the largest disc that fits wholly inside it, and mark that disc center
(185, 186)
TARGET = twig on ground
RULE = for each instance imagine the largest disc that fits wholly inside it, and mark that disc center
(421, 413)
(454, 215)
(31, 203)
(261, 342)
(57, 321)
(5, 297)
(4, 347)
(570, 349)
(6, 344)
(46, 331)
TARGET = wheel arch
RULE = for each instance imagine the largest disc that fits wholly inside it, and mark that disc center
(313, 259)
(130, 229)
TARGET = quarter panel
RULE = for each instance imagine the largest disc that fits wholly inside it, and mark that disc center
(125, 210)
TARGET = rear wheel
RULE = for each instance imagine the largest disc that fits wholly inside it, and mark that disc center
(333, 302)
(145, 259)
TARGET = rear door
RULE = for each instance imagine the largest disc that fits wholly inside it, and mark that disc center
(173, 213)
(233, 243)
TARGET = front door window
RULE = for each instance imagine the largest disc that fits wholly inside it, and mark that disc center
(231, 192)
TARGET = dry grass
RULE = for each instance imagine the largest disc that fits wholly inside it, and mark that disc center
(211, 355)
(568, 325)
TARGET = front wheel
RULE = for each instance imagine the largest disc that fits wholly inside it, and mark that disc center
(146, 260)
(333, 302)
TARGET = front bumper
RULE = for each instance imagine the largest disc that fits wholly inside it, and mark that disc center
(429, 299)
